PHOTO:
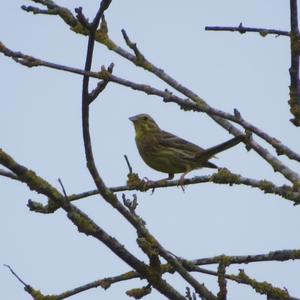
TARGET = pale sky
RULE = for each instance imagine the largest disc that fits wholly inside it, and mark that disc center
(40, 127)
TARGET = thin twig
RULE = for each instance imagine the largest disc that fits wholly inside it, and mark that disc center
(242, 29)
(128, 164)
(133, 46)
(16, 275)
(101, 85)
(63, 188)
(82, 19)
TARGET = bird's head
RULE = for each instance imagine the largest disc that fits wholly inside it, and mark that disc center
(143, 123)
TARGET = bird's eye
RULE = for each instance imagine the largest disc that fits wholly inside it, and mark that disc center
(145, 118)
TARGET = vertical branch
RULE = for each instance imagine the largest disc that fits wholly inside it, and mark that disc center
(222, 295)
(161, 285)
(86, 98)
(294, 69)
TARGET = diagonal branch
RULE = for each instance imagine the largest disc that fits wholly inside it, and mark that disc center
(200, 288)
(186, 104)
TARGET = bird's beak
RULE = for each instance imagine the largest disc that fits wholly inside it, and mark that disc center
(133, 118)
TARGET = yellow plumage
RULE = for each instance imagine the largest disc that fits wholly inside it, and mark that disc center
(168, 153)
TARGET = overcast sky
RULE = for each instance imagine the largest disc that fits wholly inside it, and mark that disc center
(40, 127)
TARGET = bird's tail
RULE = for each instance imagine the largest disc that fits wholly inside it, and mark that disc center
(223, 146)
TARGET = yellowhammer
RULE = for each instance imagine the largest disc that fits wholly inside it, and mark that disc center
(168, 153)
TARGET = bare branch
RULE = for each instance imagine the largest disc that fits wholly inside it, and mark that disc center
(63, 189)
(17, 276)
(34, 293)
(82, 19)
(242, 29)
(101, 85)
(280, 255)
(105, 283)
(263, 288)
(139, 57)
(260, 287)
(54, 9)
(128, 164)
(38, 11)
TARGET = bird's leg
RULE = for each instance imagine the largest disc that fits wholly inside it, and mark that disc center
(181, 180)
(170, 177)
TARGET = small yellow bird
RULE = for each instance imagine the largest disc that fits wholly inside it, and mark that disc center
(168, 153)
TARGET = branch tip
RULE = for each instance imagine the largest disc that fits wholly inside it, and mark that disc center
(128, 164)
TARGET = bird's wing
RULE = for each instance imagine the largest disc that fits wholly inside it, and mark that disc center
(170, 140)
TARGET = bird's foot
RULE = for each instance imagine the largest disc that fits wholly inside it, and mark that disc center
(146, 184)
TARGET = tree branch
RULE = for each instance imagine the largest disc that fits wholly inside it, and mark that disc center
(223, 176)
(294, 69)
(280, 255)
(242, 29)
